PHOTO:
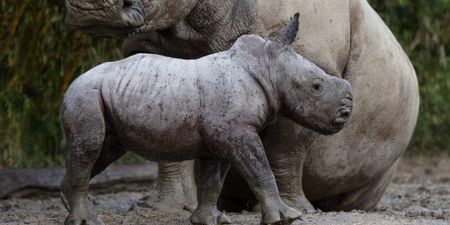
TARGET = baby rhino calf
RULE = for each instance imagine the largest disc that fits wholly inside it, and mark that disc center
(210, 109)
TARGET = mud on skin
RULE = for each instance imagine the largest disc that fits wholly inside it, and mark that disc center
(346, 38)
(211, 109)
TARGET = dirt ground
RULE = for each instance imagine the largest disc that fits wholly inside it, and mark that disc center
(419, 194)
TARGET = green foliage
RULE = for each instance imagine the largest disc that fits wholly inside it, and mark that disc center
(40, 56)
(423, 29)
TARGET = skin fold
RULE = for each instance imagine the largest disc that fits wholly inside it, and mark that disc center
(209, 109)
(346, 38)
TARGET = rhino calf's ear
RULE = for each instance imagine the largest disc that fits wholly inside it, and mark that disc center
(289, 33)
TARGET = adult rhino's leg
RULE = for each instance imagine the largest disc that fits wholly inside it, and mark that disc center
(364, 198)
(84, 127)
(287, 155)
(176, 186)
(211, 175)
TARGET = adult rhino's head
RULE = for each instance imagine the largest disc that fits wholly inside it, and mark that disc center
(307, 94)
(119, 18)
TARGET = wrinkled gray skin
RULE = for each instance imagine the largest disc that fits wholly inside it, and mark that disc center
(209, 109)
(349, 170)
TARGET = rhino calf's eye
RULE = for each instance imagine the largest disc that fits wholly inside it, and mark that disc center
(317, 87)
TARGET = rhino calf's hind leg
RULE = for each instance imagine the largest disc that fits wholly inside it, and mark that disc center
(84, 127)
(109, 154)
(211, 175)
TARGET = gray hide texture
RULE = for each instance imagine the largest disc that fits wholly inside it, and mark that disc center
(211, 109)
(346, 38)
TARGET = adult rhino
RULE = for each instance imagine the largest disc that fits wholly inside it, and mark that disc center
(346, 38)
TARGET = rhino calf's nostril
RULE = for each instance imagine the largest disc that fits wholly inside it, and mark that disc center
(127, 4)
(345, 113)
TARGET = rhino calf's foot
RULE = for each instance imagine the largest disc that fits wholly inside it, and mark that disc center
(300, 202)
(83, 216)
(277, 212)
(81, 210)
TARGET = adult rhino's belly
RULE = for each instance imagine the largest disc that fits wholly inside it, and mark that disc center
(356, 156)
(347, 161)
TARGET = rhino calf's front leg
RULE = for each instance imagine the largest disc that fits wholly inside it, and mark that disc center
(243, 148)
(287, 162)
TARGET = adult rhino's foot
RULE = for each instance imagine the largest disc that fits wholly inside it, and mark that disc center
(279, 213)
(174, 198)
(176, 187)
(209, 216)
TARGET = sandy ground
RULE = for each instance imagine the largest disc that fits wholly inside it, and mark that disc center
(419, 194)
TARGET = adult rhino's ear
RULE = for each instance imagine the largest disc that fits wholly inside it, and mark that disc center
(288, 34)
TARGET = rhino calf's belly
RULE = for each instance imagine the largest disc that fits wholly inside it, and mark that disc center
(162, 146)
(157, 130)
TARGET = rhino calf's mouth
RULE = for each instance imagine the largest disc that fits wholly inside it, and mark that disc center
(342, 117)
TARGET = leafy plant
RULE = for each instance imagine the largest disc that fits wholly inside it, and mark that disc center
(39, 58)
(423, 29)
